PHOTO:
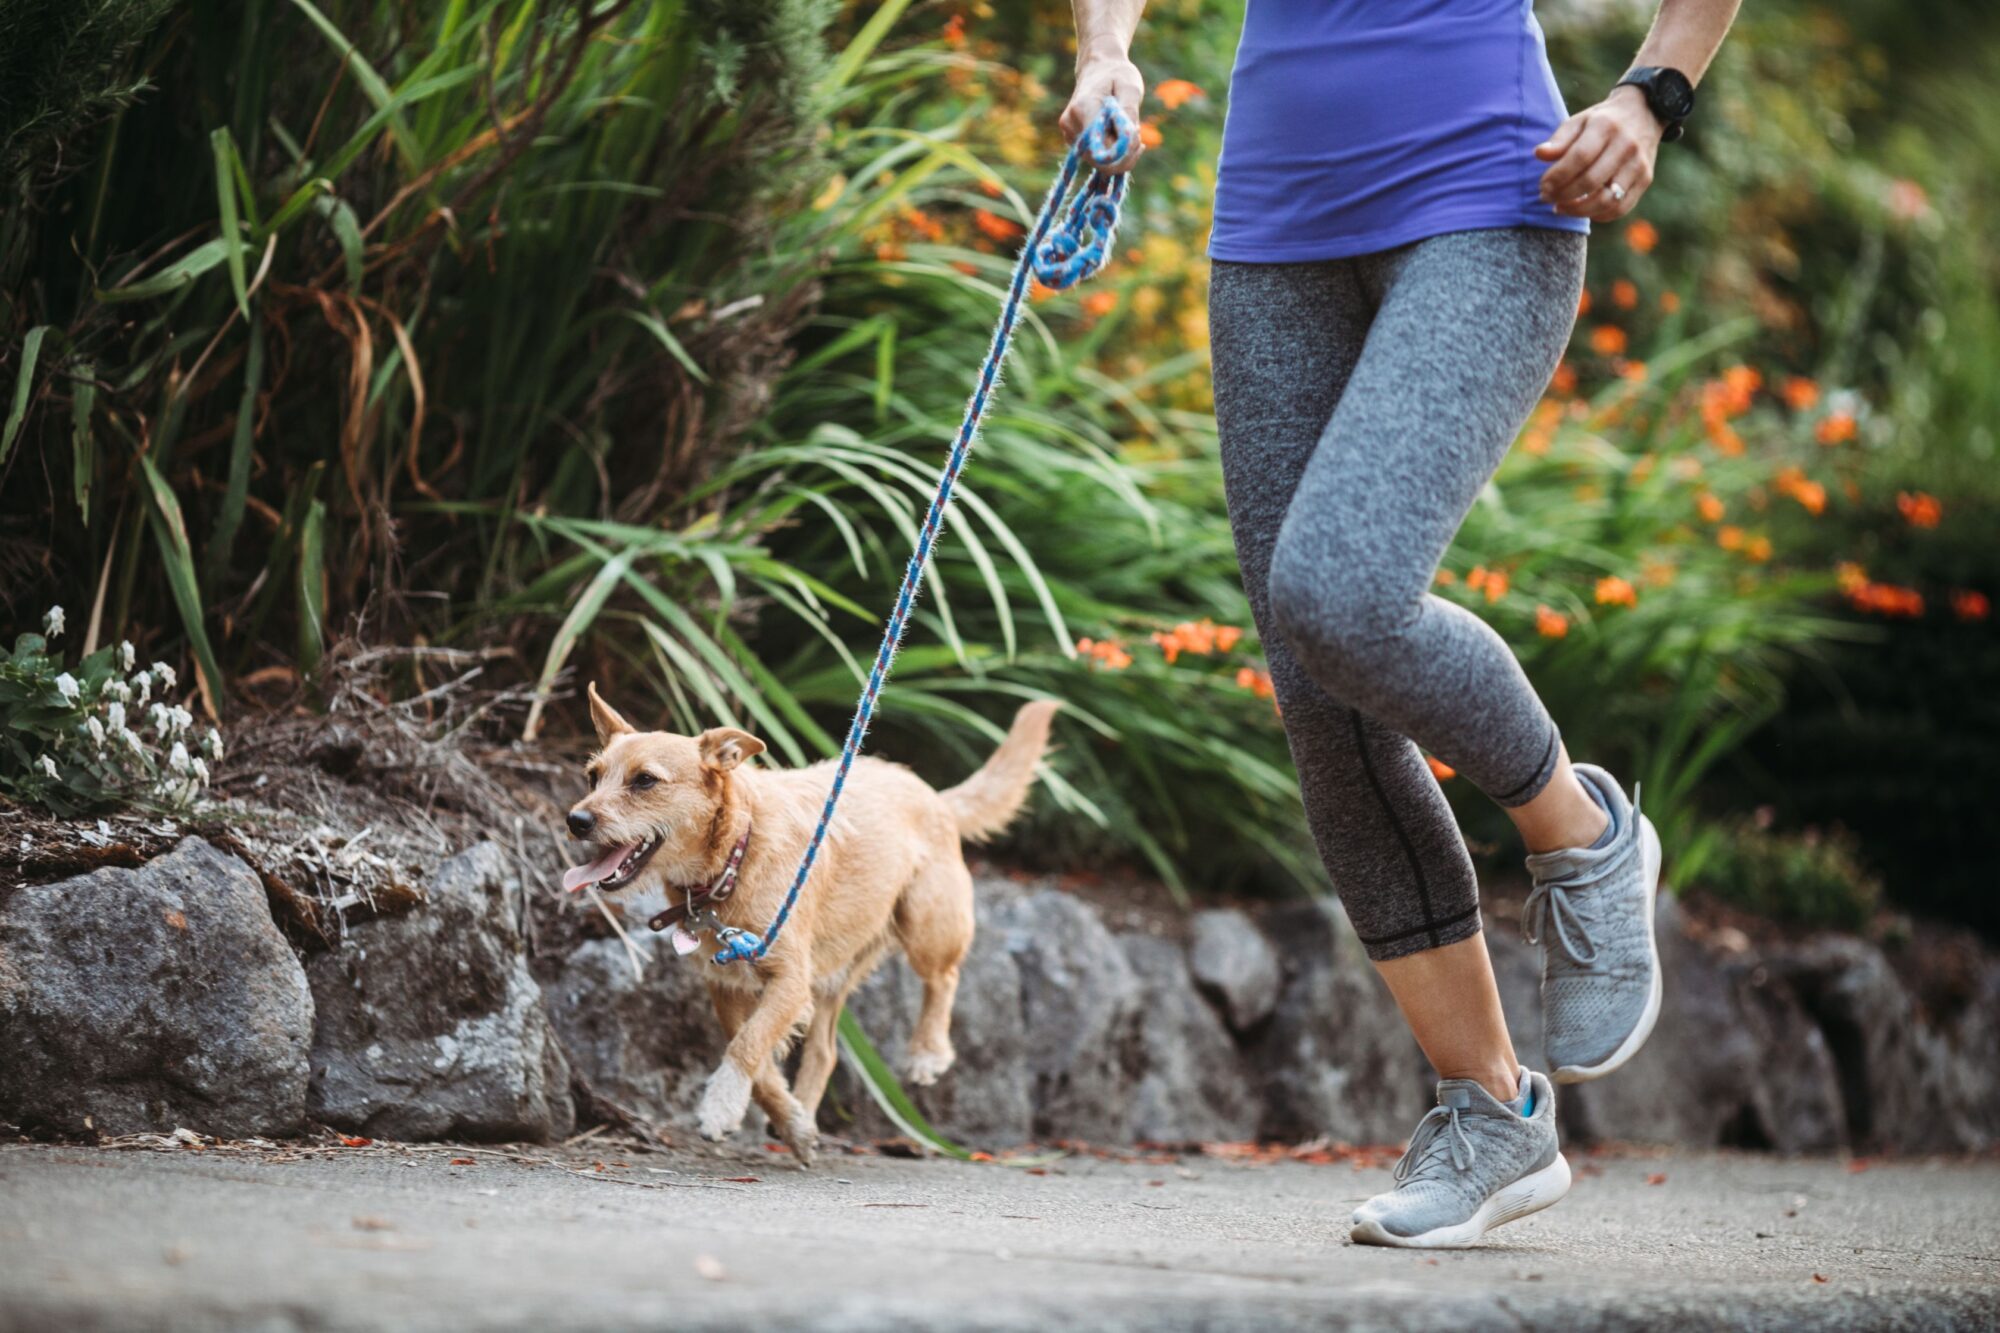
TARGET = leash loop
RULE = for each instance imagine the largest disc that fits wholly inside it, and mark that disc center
(1070, 241)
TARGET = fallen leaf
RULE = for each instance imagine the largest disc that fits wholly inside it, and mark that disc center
(464, 1161)
(1657, 1178)
(1038, 1171)
(1858, 1165)
(743, 1180)
(373, 1224)
(1821, 1278)
(355, 1141)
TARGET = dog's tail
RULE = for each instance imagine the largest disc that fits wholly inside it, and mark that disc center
(985, 802)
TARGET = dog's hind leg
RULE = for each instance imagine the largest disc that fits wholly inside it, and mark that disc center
(821, 1051)
(791, 1121)
(934, 921)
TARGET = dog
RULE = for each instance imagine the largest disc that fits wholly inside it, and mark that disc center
(723, 837)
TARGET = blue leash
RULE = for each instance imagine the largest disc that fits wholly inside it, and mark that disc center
(1063, 249)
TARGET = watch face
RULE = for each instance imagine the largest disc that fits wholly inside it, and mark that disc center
(1673, 95)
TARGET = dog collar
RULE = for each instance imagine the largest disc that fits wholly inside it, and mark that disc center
(698, 902)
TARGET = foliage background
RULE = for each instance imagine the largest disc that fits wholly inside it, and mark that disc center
(628, 335)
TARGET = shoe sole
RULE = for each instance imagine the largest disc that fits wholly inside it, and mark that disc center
(1649, 851)
(1530, 1194)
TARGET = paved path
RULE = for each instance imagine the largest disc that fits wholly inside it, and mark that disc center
(376, 1238)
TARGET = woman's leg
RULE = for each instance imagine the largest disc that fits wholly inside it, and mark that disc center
(1286, 339)
(1468, 329)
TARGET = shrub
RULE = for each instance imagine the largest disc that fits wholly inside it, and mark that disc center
(1810, 878)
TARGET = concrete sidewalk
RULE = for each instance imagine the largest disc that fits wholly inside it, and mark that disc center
(384, 1238)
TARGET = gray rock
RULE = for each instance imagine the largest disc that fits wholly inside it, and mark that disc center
(1235, 963)
(1193, 1084)
(1335, 1059)
(648, 1042)
(142, 1000)
(1080, 1003)
(1899, 1076)
(430, 1025)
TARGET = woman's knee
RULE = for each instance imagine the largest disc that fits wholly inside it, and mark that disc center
(1335, 614)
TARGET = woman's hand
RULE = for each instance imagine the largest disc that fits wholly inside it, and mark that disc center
(1096, 81)
(1602, 157)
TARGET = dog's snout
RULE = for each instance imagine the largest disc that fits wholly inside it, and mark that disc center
(581, 822)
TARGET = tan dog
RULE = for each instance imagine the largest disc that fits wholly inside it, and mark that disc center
(672, 810)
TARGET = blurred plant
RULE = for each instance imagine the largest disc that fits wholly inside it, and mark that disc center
(1811, 878)
(84, 741)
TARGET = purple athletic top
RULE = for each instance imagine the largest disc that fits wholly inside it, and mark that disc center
(1360, 125)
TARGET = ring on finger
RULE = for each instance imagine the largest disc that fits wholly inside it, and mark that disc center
(1617, 193)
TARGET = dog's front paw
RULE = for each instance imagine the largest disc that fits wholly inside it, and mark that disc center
(723, 1102)
(802, 1137)
(925, 1067)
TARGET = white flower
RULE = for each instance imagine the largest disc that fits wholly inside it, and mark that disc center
(179, 719)
(200, 771)
(178, 759)
(143, 683)
(49, 767)
(95, 730)
(116, 689)
(67, 687)
(166, 675)
(126, 655)
(115, 715)
(213, 744)
(52, 623)
(131, 738)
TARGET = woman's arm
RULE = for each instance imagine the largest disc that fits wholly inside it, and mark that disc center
(1104, 66)
(1617, 139)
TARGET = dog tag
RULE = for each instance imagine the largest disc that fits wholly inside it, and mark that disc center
(685, 943)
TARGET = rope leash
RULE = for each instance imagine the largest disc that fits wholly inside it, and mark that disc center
(1063, 249)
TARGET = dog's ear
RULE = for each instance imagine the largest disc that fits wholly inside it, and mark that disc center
(723, 748)
(605, 718)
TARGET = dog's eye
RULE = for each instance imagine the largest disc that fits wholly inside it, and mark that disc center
(642, 779)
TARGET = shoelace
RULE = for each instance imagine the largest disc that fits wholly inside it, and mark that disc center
(1549, 909)
(1438, 1120)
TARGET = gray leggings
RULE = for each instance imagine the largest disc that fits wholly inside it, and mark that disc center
(1362, 404)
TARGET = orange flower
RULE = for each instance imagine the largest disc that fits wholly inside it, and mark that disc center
(1729, 537)
(1614, 591)
(1175, 92)
(1742, 382)
(1850, 576)
(1564, 380)
(1758, 549)
(1709, 506)
(1496, 585)
(1100, 302)
(1887, 599)
(1624, 293)
(1227, 637)
(1641, 235)
(1656, 573)
(1550, 624)
(1149, 134)
(1446, 578)
(1632, 370)
(1607, 340)
(1919, 509)
(1583, 303)
(1968, 605)
(923, 224)
(888, 252)
(1039, 290)
(954, 30)
(1799, 393)
(1835, 428)
(1200, 638)
(966, 266)
(995, 227)
(1255, 681)
(1670, 301)
(1440, 770)
(1108, 653)
(1475, 578)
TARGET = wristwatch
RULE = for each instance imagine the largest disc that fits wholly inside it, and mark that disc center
(1669, 95)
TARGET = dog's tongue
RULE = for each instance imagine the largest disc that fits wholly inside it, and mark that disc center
(577, 877)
